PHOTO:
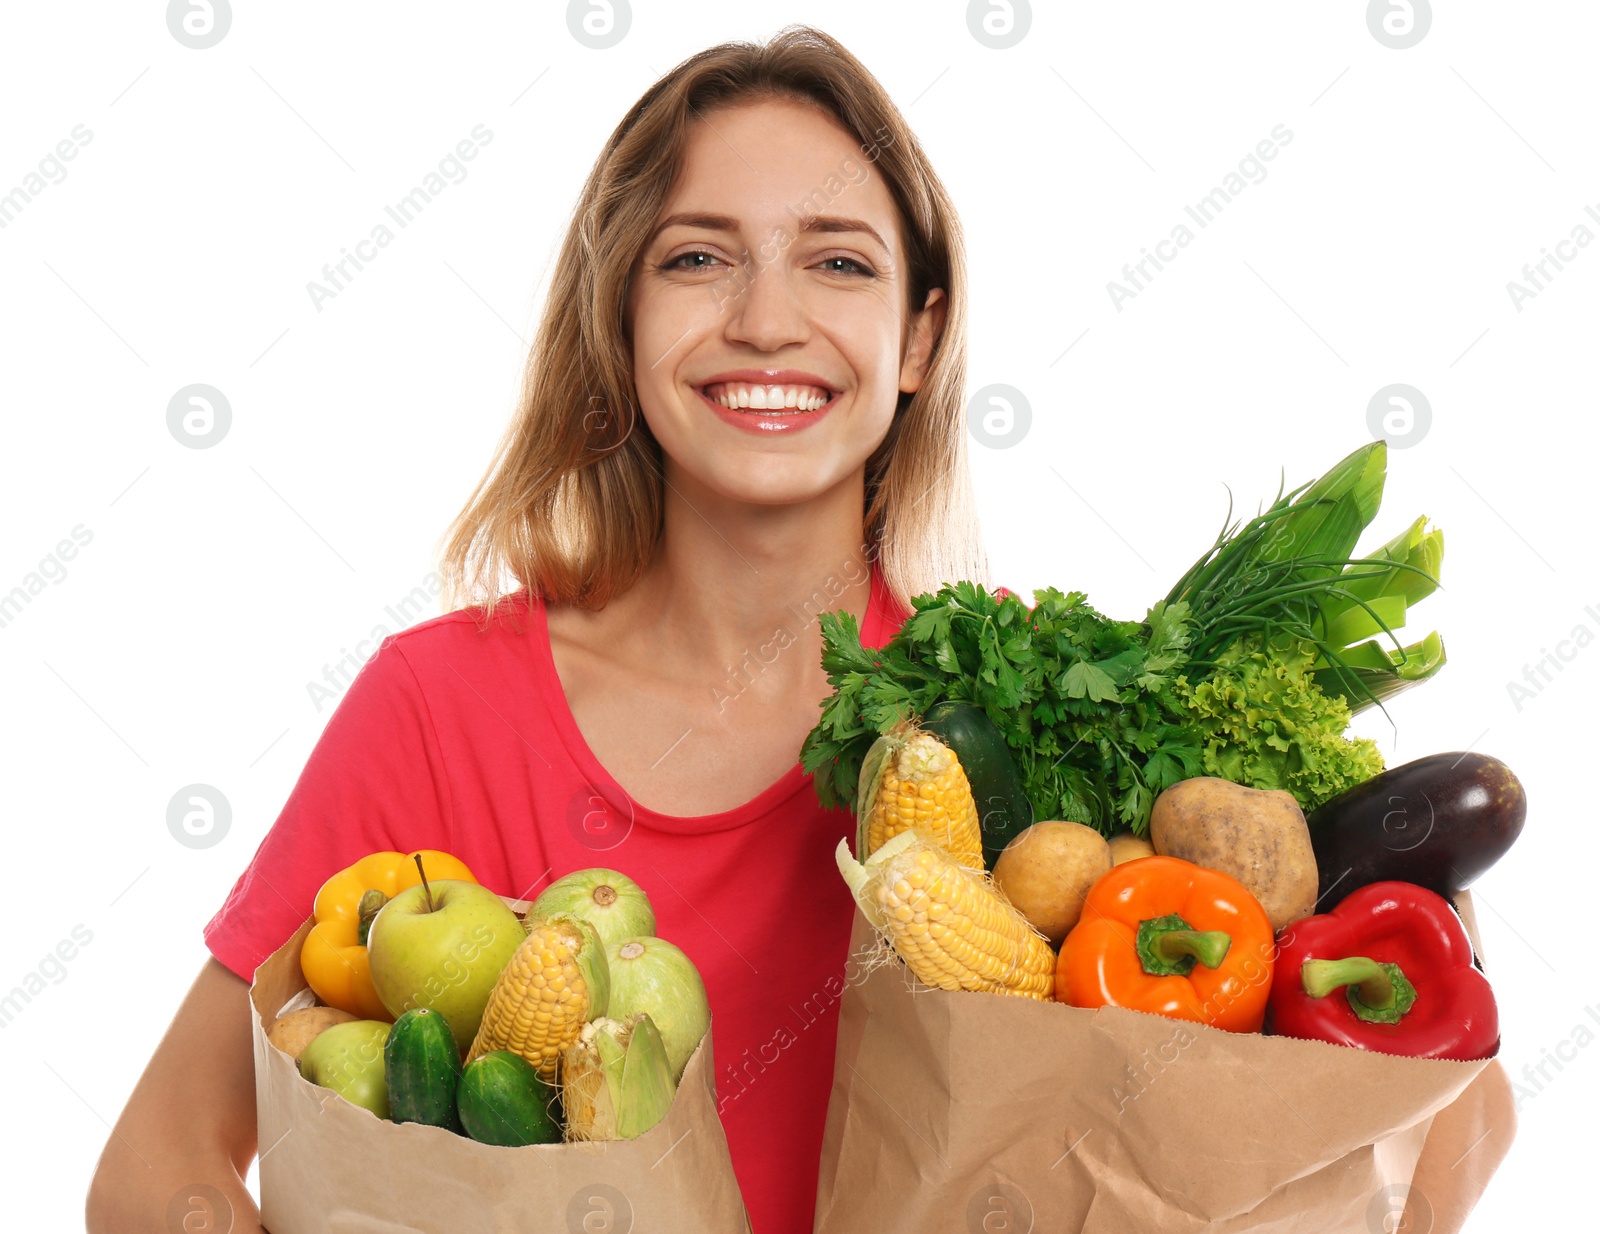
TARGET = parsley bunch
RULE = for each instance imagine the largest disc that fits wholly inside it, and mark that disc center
(1086, 704)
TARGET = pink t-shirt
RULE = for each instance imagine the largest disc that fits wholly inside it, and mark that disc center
(463, 741)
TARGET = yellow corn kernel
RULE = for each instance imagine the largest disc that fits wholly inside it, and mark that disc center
(554, 983)
(917, 784)
(947, 921)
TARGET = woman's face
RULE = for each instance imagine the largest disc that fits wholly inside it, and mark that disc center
(740, 290)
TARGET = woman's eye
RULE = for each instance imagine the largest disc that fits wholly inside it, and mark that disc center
(855, 266)
(699, 259)
(676, 263)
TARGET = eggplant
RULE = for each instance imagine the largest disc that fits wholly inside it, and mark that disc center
(1439, 822)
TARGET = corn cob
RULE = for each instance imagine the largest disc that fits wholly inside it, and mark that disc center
(616, 1082)
(554, 983)
(910, 780)
(948, 923)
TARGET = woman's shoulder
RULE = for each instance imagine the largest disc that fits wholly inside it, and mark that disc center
(468, 632)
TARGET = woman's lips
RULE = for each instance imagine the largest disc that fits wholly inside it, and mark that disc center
(768, 420)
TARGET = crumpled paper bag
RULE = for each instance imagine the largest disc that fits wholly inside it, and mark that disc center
(983, 1114)
(330, 1167)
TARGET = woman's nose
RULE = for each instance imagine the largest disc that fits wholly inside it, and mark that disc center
(764, 308)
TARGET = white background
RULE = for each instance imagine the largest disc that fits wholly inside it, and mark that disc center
(177, 249)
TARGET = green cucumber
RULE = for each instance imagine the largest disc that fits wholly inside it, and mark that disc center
(421, 1066)
(502, 1100)
(1004, 810)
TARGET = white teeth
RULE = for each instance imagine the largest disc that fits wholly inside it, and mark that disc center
(766, 398)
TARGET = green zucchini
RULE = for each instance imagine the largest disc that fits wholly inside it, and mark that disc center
(1004, 810)
(502, 1100)
(421, 1066)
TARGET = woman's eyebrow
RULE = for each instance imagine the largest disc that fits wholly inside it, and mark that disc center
(811, 223)
(697, 218)
(830, 224)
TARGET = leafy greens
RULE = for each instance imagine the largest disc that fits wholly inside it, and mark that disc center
(1246, 670)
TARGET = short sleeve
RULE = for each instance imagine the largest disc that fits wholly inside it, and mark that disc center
(374, 781)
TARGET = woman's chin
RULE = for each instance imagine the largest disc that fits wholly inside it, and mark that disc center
(752, 478)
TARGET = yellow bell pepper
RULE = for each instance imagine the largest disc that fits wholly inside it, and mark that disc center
(334, 955)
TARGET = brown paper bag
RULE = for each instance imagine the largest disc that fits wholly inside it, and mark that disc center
(978, 1114)
(330, 1167)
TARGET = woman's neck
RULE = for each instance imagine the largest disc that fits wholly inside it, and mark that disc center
(730, 577)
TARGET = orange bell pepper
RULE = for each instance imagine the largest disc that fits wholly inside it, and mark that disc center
(334, 955)
(1172, 938)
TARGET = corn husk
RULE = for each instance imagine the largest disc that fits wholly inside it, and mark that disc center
(616, 1082)
(910, 778)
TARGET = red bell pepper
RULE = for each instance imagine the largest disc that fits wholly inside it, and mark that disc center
(1390, 969)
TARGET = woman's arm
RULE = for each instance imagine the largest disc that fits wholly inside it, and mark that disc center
(373, 782)
(190, 1120)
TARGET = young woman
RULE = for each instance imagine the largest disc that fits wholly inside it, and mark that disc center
(744, 407)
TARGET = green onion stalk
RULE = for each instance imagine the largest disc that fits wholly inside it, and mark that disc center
(1289, 574)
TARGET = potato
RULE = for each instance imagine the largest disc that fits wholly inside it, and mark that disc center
(293, 1032)
(1046, 872)
(1125, 846)
(1258, 836)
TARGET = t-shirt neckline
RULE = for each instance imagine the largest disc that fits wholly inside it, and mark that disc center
(548, 683)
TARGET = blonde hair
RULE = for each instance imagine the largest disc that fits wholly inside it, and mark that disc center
(571, 506)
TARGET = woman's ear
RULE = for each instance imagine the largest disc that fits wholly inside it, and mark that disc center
(926, 327)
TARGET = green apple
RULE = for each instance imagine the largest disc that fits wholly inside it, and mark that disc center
(442, 945)
(348, 1058)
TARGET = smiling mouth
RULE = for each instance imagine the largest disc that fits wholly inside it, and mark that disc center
(768, 400)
